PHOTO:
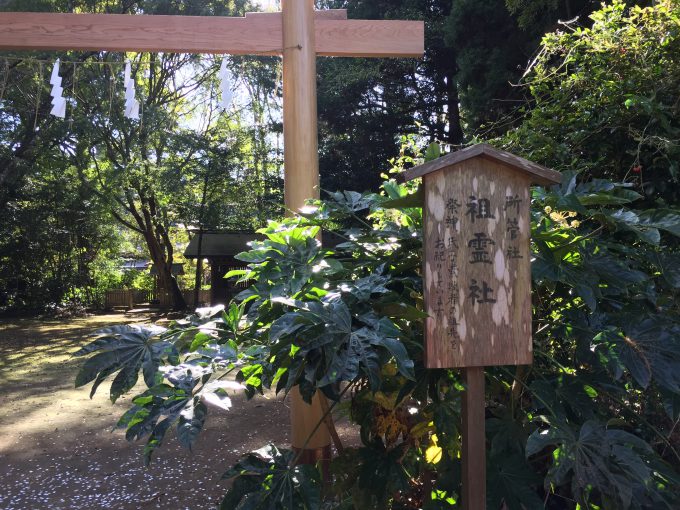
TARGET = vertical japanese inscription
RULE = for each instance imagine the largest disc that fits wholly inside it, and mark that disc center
(446, 268)
(477, 271)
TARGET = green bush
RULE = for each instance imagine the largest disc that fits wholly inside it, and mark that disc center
(604, 100)
(590, 421)
(593, 423)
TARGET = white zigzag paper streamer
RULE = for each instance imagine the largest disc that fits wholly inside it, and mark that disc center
(131, 104)
(58, 102)
(225, 86)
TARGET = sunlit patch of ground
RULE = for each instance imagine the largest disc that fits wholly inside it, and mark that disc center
(57, 450)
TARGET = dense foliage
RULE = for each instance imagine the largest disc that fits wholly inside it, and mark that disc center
(591, 422)
(604, 99)
(126, 193)
(474, 53)
(105, 184)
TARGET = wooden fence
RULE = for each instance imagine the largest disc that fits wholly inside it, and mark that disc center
(119, 298)
(127, 298)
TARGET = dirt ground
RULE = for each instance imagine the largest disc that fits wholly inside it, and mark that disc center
(57, 449)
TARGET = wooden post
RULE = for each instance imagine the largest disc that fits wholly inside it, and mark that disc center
(474, 440)
(300, 131)
(301, 167)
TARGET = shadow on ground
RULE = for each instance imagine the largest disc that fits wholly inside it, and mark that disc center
(57, 450)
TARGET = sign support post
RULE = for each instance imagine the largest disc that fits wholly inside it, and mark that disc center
(473, 440)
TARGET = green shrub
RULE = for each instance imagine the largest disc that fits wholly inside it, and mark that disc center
(590, 421)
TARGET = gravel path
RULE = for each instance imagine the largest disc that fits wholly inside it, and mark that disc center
(57, 450)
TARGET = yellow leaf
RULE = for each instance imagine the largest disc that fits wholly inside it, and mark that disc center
(433, 454)
(385, 401)
(389, 370)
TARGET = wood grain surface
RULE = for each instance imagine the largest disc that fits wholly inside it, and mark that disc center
(477, 265)
(320, 14)
(301, 167)
(253, 34)
(300, 132)
(473, 438)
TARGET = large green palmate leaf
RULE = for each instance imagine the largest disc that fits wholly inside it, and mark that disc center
(328, 338)
(267, 480)
(125, 349)
(512, 484)
(284, 262)
(345, 203)
(564, 396)
(662, 219)
(380, 476)
(599, 464)
(648, 347)
(173, 403)
(669, 266)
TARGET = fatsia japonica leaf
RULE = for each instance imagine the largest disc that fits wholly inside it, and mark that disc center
(662, 219)
(190, 422)
(180, 402)
(648, 347)
(612, 462)
(266, 479)
(357, 356)
(629, 221)
(608, 198)
(152, 415)
(512, 484)
(363, 288)
(405, 201)
(347, 202)
(125, 349)
(380, 475)
(350, 350)
(669, 266)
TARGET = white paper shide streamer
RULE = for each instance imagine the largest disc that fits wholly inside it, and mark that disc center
(131, 104)
(58, 101)
(225, 86)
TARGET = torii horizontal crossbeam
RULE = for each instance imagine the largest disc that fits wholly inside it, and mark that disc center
(256, 33)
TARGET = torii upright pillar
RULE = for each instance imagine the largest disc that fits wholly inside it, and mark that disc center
(301, 166)
(299, 32)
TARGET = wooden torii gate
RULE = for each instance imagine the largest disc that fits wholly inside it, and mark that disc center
(298, 33)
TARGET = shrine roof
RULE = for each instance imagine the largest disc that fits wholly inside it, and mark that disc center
(539, 174)
(221, 244)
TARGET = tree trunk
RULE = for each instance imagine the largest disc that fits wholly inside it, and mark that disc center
(168, 282)
(199, 267)
(160, 248)
(166, 279)
(455, 130)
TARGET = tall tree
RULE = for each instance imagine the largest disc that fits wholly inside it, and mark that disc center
(463, 87)
(130, 166)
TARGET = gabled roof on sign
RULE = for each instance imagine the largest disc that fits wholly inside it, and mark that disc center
(539, 174)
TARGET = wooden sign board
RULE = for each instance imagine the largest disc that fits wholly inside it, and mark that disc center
(477, 260)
